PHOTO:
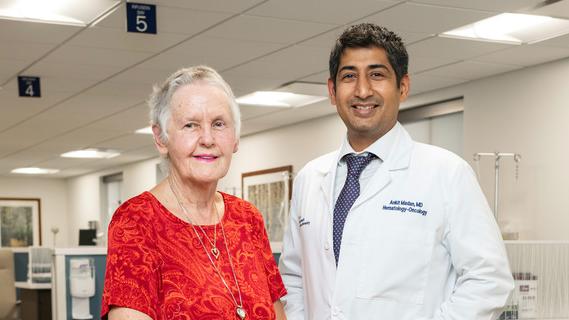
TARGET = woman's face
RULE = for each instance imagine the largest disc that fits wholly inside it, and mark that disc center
(201, 134)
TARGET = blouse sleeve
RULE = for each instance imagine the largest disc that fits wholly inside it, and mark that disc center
(131, 277)
(275, 282)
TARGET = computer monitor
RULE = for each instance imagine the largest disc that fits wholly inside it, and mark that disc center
(87, 237)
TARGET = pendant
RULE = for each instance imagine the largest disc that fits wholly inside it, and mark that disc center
(215, 252)
(241, 312)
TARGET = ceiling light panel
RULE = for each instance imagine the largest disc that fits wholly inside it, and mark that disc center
(67, 12)
(512, 28)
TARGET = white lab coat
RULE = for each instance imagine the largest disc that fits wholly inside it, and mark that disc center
(419, 243)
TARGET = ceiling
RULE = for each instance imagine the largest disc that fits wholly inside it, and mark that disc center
(95, 80)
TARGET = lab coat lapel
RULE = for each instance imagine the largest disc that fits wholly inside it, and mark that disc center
(398, 159)
(327, 184)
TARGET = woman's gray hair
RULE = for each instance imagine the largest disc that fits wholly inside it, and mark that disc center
(161, 97)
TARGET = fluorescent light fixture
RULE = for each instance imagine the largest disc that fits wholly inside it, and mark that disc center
(290, 95)
(145, 130)
(67, 12)
(91, 153)
(34, 170)
(512, 28)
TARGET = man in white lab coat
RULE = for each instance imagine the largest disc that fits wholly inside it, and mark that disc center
(385, 227)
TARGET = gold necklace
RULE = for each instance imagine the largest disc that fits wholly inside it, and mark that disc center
(239, 310)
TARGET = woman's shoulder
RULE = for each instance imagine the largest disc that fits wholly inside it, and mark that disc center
(140, 208)
(239, 207)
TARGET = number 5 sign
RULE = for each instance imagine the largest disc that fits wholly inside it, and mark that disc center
(141, 18)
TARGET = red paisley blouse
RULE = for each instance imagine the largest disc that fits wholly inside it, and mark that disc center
(156, 264)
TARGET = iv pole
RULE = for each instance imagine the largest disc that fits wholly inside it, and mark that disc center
(497, 156)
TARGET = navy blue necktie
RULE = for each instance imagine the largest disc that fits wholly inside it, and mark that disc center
(348, 196)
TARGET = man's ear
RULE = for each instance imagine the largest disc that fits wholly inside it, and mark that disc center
(332, 91)
(404, 87)
(160, 145)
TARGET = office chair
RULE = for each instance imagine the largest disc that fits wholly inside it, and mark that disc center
(8, 304)
(39, 265)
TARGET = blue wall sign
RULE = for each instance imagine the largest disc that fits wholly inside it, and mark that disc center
(29, 86)
(141, 17)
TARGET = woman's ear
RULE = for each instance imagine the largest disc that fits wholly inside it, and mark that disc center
(236, 146)
(160, 145)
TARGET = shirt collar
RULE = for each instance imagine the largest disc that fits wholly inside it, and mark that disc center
(380, 148)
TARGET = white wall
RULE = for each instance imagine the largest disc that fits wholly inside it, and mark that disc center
(53, 198)
(84, 193)
(291, 145)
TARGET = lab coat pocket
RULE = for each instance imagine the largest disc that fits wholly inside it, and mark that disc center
(395, 264)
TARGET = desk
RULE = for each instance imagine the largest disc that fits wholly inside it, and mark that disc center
(36, 300)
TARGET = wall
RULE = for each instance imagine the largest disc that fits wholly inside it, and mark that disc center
(53, 196)
(525, 112)
(291, 145)
(84, 193)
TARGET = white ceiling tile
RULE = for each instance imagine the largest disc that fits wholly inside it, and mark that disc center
(287, 116)
(242, 85)
(452, 49)
(319, 77)
(50, 85)
(409, 17)
(95, 56)
(126, 142)
(10, 68)
(264, 29)
(24, 50)
(487, 5)
(333, 12)
(187, 22)
(144, 76)
(250, 112)
(216, 6)
(79, 139)
(561, 42)
(418, 64)
(12, 30)
(211, 51)
(469, 70)
(425, 82)
(285, 63)
(72, 70)
(122, 122)
(110, 38)
(558, 9)
(328, 39)
(525, 55)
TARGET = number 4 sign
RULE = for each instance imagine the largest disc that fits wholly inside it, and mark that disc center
(141, 18)
(29, 86)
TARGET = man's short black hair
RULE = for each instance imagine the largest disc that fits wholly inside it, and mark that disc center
(368, 35)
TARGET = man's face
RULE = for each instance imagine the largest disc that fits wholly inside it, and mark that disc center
(366, 95)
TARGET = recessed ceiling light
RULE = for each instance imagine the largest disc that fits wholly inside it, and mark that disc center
(512, 28)
(91, 153)
(34, 170)
(145, 130)
(67, 12)
(290, 95)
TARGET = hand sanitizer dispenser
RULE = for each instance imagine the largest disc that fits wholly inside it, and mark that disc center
(82, 283)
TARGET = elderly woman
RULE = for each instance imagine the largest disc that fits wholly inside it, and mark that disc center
(184, 250)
